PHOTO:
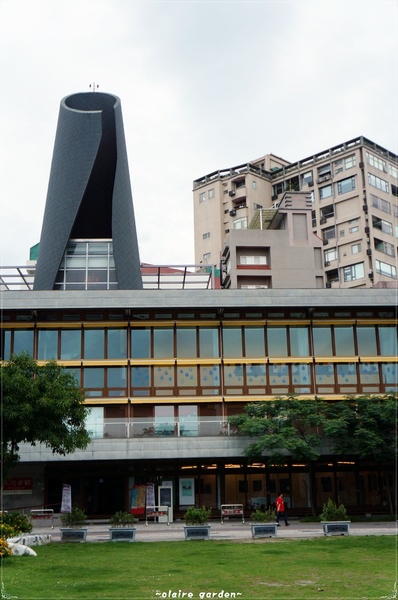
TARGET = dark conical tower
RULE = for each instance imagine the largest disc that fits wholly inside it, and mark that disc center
(89, 238)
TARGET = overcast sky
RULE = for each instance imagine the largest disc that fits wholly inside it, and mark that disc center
(204, 85)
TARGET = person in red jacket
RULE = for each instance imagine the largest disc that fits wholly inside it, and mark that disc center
(280, 510)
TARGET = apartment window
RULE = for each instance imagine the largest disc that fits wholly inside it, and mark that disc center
(325, 192)
(240, 183)
(206, 257)
(375, 161)
(355, 248)
(338, 166)
(386, 269)
(240, 223)
(394, 190)
(393, 171)
(354, 272)
(210, 194)
(202, 197)
(366, 338)
(206, 235)
(329, 233)
(325, 172)
(307, 178)
(254, 185)
(208, 342)
(384, 247)
(163, 342)
(346, 185)
(232, 342)
(381, 204)
(330, 255)
(277, 341)
(186, 342)
(23, 341)
(140, 342)
(253, 260)
(350, 161)
(327, 212)
(353, 226)
(381, 224)
(254, 341)
(70, 344)
(117, 343)
(344, 340)
(378, 183)
(94, 344)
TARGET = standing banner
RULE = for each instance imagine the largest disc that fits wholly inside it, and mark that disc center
(66, 506)
(138, 500)
(150, 495)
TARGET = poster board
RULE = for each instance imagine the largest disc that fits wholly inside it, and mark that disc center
(187, 492)
(165, 498)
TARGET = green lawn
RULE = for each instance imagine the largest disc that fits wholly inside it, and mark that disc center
(343, 568)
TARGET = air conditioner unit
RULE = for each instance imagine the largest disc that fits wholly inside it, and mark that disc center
(328, 284)
(327, 264)
(361, 165)
(232, 213)
(365, 208)
(323, 221)
(368, 251)
(367, 229)
(226, 231)
(310, 183)
(232, 192)
(325, 242)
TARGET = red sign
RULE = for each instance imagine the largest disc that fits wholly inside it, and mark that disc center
(18, 485)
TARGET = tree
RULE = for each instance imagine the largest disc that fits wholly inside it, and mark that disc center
(285, 427)
(366, 426)
(40, 404)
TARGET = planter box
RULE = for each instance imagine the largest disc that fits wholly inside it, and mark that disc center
(336, 527)
(264, 530)
(197, 532)
(122, 534)
(73, 535)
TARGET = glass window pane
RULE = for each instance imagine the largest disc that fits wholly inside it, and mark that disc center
(186, 342)
(98, 247)
(233, 375)
(164, 420)
(48, 344)
(256, 375)
(208, 342)
(23, 341)
(187, 376)
(163, 343)
(346, 374)
(6, 351)
(299, 344)
(277, 341)
(232, 342)
(210, 376)
(163, 377)
(301, 374)
(344, 341)
(388, 340)
(369, 373)
(279, 374)
(117, 377)
(390, 376)
(140, 377)
(254, 342)
(70, 344)
(366, 338)
(95, 262)
(93, 377)
(324, 374)
(140, 342)
(94, 343)
(76, 372)
(117, 343)
(188, 420)
(322, 341)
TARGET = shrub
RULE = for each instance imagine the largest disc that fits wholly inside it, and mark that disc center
(263, 516)
(5, 550)
(18, 521)
(121, 519)
(7, 531)
(76, 518)
(332, 512)
(197, 516)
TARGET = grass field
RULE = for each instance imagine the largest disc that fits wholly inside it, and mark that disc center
(342, 568)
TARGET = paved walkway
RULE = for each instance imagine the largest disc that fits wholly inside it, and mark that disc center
(230, 530)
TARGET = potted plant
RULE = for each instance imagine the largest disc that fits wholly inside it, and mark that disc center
(196, 525)
(73, 530)
(263, 523)
(122, 529)
(334, 519)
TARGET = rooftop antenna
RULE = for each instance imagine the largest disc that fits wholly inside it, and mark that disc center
(94, 86)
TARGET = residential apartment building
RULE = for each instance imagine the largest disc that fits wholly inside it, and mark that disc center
(163, 366)
(354, 192)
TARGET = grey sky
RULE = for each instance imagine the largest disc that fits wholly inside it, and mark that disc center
(203, 85)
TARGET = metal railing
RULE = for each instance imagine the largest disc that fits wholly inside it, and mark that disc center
(143, 428)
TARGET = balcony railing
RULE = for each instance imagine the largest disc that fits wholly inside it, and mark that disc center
(143, 428)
